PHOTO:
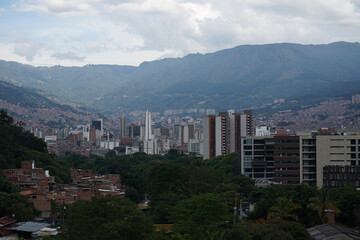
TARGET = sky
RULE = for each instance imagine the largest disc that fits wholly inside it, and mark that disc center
(129, 32)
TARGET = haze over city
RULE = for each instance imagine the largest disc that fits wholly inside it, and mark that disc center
(76, 33)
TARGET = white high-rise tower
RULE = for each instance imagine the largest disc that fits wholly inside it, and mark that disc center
(150, 143)
(148, 124)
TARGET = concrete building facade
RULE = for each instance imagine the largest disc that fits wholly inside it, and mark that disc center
(222, 133)
(322, 159)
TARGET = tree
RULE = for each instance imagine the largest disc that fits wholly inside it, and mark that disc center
(199, 215)
(132, 195)
(16, 206)
(6, 186)
(105, 218)
(321, 203)
(283, 209)
(348, 201)
(270, 229)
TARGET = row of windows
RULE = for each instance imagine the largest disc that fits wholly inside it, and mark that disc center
(273, 141)
(288, 161)
(287, 155)
(270, 141)
(287, 175)
(286, 148)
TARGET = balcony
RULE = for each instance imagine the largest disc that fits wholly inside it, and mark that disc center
(308, 151)
(308, 165)
(309, 145)
(309, 173)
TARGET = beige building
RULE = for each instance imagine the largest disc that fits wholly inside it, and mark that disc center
(320, 149)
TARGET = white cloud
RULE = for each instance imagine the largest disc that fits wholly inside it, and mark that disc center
(60, 7)
(28, 49)
(113, 30)
(68, 56)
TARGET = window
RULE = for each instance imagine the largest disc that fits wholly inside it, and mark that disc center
(247, 164)
(248, 141)
(248, 159)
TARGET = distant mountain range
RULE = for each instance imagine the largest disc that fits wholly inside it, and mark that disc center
(237, 78)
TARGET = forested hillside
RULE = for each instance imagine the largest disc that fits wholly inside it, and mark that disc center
(235, 78)
(18, 145)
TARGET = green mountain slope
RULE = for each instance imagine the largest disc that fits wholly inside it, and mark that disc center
(240, 77)
(18, 145)
(26, 97)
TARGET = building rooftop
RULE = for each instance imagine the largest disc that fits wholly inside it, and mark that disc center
(332, 232)
(4, 221)
(30, 227)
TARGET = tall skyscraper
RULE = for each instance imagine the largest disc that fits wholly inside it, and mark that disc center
(222, 133)
(148, 125)
(122, 126)
(150, 142)
(179, 134)
(99, 130)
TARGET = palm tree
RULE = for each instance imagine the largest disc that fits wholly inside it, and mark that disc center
(283, 209)
(322, 203)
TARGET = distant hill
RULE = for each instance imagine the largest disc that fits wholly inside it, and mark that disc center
(18, 145)
(26, 97)
(235, 78)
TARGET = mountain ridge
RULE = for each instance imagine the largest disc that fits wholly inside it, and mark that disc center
(236, 78)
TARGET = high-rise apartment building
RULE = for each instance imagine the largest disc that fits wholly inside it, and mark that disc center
(189, 132)
(274, 158)
(328, 159)
(122, 132)
(150, 142)
(322, 158)
(134, 131)
(99, 129)
(179, 134)
(222, 133)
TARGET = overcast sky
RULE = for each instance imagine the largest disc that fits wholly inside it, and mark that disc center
(128, 32)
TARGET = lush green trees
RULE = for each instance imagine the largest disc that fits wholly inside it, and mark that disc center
(265, 198)
(348, 201)
(199, 215)
(6, 186)
(277, 229)
(132, 195)
(18, 145)
(322, 202)
(12, 204)
(105, 218)
(16, 206)
(283, 208)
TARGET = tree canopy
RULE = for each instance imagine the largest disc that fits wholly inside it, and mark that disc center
(105, 218)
